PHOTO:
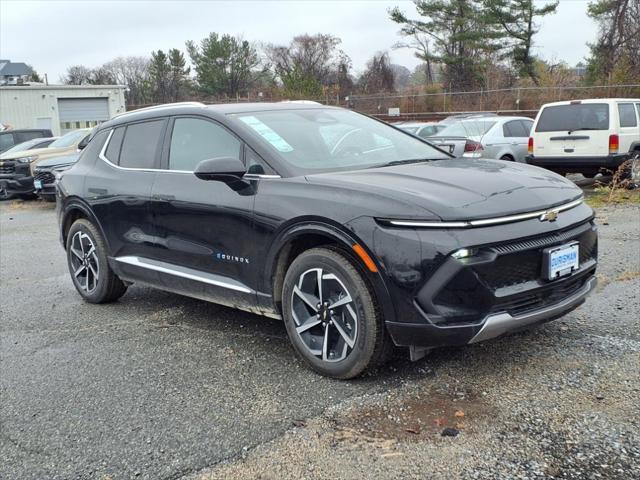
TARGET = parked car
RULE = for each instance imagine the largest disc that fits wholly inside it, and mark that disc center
(44, 175)
(9, 138)
(503, 138)
(30, 145)
(422, 129)
(361, 243)
(16, 169)
(585, 136)
(466, 116)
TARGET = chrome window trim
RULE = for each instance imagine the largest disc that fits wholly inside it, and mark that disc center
(101, 155)
(204, 278)
(483, 222)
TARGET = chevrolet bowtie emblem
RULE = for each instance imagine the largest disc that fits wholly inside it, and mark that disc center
(550, 215)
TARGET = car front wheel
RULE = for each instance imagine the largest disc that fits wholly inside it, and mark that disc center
(87, 260)
(331, 315)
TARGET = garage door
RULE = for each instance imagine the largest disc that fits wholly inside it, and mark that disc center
(82, 112)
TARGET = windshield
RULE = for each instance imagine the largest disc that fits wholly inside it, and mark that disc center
(21, 147)
(409, 129)
(559, 118)
(318, 140)
(467, 128)
(69, 139)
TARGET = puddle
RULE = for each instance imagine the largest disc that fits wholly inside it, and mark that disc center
(413, 419)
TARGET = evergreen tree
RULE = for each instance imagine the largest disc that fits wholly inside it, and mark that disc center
(516, 21)
(224, 65)
(178, 75)
(460, 37)
(615, 56)
(159, 73)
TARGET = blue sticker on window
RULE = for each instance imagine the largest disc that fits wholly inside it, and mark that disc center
(268, 134)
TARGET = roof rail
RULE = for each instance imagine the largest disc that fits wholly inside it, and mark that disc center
(164, 105)
(304, 102)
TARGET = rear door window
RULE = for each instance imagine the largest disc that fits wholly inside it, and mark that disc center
(576, 116)
(24, 136)
(627, 115)
(141, 144)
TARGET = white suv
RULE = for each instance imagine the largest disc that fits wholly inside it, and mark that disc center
(585, 136)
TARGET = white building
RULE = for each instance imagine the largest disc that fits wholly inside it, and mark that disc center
(60, 108)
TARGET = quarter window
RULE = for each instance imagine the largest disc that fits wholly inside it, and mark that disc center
(194, 140)
(6, 141)
(140, 145)
(627, 115)
(514, 129)
(113, 149)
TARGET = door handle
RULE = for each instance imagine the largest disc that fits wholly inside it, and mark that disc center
(163, 197)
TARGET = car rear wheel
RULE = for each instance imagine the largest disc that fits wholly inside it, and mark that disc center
(508, 158)
(87, 260)
(331, 315)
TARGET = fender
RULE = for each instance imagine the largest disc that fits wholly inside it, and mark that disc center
(343, 237)
(77, 203)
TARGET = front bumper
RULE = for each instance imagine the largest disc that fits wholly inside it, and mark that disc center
(16, 177)
(497, 289)
(610, 162)
(493, 325)
(48, 181)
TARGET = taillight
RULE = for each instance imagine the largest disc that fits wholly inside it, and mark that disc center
(472, 146)
(530, 145)
(614, 143)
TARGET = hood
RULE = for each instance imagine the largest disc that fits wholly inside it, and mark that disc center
(460, 189)
(59, 161)
(39, 152)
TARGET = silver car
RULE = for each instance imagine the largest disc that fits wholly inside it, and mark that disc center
(422, 129)
(505, 138)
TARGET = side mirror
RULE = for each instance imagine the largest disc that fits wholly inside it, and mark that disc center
(222, 169)
(83, 143)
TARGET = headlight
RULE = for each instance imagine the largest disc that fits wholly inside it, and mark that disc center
(27, 159)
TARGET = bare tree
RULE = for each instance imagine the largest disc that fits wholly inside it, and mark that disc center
(378, 76)
(134, 73)
(77, 75)
(314, 57)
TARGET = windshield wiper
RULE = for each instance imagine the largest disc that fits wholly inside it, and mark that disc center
(405, 162)
(582, 128)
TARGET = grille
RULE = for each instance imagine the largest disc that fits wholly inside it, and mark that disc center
(516, 264)
(7, 168)
(44, 177)
(519, 304)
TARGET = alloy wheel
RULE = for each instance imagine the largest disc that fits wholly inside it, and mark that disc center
(324, 314)
(84, 262)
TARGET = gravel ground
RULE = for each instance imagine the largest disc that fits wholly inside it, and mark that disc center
(162, 386)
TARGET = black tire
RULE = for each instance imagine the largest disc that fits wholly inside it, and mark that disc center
(3, 193)
(508, 158)
(108, 286)
(589, 174)
(371, 343)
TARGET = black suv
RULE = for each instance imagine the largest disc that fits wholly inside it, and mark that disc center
(9, 138)
(359, 235)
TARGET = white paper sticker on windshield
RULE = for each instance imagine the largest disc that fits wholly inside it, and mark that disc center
(269, 135)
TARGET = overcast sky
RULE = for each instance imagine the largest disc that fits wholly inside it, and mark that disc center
(54, 34)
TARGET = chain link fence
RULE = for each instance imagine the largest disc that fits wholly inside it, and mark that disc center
(522, 101)
(437, 105)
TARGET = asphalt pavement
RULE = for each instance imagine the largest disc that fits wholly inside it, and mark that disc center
(161, 386)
